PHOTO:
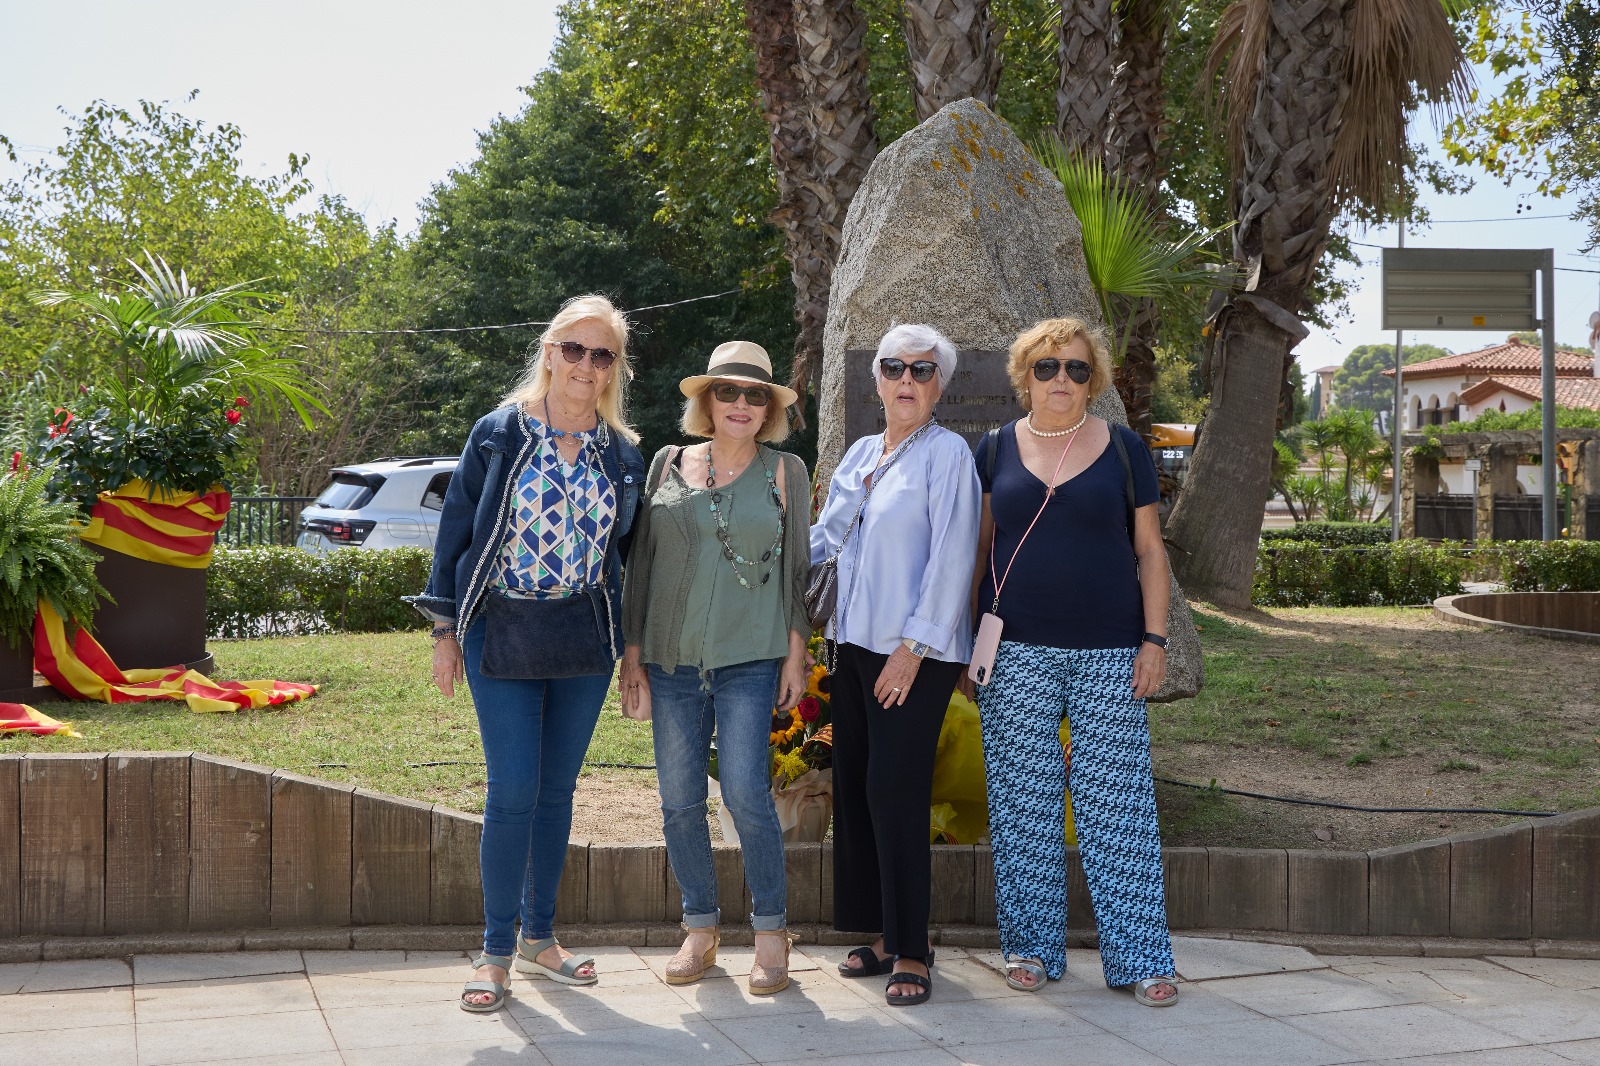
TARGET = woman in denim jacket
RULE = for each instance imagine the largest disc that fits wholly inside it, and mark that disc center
(542, 503)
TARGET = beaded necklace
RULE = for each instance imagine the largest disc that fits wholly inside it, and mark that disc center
(736, 560)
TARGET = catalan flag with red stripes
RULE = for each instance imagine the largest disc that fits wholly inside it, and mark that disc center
(20, 718)
(178, 529)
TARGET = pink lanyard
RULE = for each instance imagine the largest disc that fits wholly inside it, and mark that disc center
(1049, 491)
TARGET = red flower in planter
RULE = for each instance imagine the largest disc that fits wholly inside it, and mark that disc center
(16, 461)
(810, 709)
(233, 417)
(240, 401)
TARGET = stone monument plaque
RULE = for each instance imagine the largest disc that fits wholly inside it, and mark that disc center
(977, 399)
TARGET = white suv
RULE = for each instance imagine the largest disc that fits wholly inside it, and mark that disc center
(388, 503)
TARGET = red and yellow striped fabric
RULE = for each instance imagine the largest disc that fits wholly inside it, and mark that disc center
(81, 669)
(177, 529)
(20, 718)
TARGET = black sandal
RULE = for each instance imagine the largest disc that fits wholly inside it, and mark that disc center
(871, 965)
(908, 979)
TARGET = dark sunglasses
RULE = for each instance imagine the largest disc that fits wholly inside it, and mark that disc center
(727, 392)
(921, 370)
(1077, 369)
(572, 351)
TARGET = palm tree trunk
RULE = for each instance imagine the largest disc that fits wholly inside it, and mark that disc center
(953, 53)
(832, 64)
(1135, 379)
(799, 213)
(1083, 86)
(1284, 202)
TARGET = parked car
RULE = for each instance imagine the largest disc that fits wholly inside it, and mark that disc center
(387, 503)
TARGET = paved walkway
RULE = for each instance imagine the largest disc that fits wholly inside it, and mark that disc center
(1241, 1003)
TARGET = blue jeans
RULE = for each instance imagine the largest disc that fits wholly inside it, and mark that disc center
(535, 734)
(738, 700)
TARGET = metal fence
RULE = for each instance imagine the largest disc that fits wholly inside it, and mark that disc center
(1522, 517)
(263, 521)
(1446, 517)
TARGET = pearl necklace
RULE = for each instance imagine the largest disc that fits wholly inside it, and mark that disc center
(1054, 433)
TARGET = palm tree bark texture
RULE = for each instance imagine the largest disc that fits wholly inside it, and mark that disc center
(1136, 151)
(1284, 202)
(799, 213)
(1085, 39)
(832, 66)
(953, 53)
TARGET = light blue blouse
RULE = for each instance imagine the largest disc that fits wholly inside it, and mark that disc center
(907, 570)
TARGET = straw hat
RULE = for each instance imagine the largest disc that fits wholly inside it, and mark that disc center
(738, 361)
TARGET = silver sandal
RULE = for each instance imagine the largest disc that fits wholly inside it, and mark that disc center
(1141, 991)
(1030, 966)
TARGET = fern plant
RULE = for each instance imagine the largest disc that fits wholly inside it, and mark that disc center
(41, 558)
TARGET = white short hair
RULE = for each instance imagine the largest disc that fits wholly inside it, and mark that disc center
(902, 342)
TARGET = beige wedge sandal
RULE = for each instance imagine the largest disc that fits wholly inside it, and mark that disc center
(686, 967)
(766, 980)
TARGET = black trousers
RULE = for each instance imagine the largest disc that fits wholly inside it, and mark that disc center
(882, 780)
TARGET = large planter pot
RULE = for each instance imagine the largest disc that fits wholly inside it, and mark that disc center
(16, 671)
(159, 617)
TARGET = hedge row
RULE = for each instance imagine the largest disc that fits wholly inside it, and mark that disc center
(264, 592)
(1330, 534)
(1304, 574)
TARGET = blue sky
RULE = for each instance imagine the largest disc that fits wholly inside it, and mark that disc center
(387, 98)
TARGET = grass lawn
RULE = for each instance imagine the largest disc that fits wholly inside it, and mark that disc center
(1377, 707)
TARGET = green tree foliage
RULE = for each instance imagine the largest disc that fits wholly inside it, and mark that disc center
(1359, 382)
(1538, 123)
(554, 206)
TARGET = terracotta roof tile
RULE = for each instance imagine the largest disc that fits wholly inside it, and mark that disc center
(1512, 357)
(1570, 391)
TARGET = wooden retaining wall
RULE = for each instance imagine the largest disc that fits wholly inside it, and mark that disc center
(139, 843)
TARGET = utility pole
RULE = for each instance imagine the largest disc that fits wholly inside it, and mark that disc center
(1394, 419)
(1547, 301)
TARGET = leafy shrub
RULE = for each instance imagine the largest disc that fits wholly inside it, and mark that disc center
(1304, 574)
(1542, 566)
(260, 592)
(1330, 534)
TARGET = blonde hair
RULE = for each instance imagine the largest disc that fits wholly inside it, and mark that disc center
(534, 384)
(1042, 339)
(697, 417)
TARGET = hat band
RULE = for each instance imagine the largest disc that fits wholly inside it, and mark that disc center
(740, 370)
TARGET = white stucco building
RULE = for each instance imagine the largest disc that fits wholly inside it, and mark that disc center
(1501, 377)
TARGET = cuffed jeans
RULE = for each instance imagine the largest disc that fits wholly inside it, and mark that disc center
(686, 704)
(535, 734)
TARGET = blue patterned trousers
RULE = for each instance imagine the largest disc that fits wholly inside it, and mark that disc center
(1113, 806)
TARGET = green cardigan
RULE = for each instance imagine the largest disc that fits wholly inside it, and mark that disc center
(661, 566)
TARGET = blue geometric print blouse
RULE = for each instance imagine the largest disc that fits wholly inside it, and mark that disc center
(561, 518)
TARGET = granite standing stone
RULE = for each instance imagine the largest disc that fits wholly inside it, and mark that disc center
(957, 226)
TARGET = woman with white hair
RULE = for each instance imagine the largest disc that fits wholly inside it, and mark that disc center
(526, 600)
(902, 522)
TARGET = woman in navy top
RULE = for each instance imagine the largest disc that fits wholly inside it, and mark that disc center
(1083, 602)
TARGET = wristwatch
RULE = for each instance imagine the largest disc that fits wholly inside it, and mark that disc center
(915, 647)
(1157, 639)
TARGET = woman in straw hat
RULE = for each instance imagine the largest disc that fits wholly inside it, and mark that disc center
(714, 619)
(535, 526)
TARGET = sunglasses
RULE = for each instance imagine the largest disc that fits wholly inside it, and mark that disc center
(1047, 369)
(572, 352)
(727, 392)
(921, 370)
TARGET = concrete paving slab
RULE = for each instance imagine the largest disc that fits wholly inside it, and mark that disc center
(106, 1045)
(59, 976)
(311, 1058)
(980, 1022)
(696, 1042)
(1398, 1032)
(1533, 1019)
(1563, 973)
(439, 1021)
(68, 1009)
(1263, 1041)
(164, 1043)
(517, 1053)
(543, 1008)
(1510, 1056)
(1581, 1051)
(1093, 1049)
(1199, 959)
(155, 969)
(859, 1031)
(728, 997)
(228, 998)
(367, 961)
(928, 1056)
(1282, 995)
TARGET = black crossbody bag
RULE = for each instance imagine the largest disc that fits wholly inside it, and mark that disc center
(537, 639)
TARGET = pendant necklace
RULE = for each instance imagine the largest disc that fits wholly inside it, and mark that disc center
(735, 560)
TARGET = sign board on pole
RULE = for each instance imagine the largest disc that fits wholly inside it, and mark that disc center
(1473, 465)
(1461, 288)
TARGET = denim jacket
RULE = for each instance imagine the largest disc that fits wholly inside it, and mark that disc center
(477, 514)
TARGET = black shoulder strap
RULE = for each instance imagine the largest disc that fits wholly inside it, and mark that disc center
(1127, 472)
(992, 439)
